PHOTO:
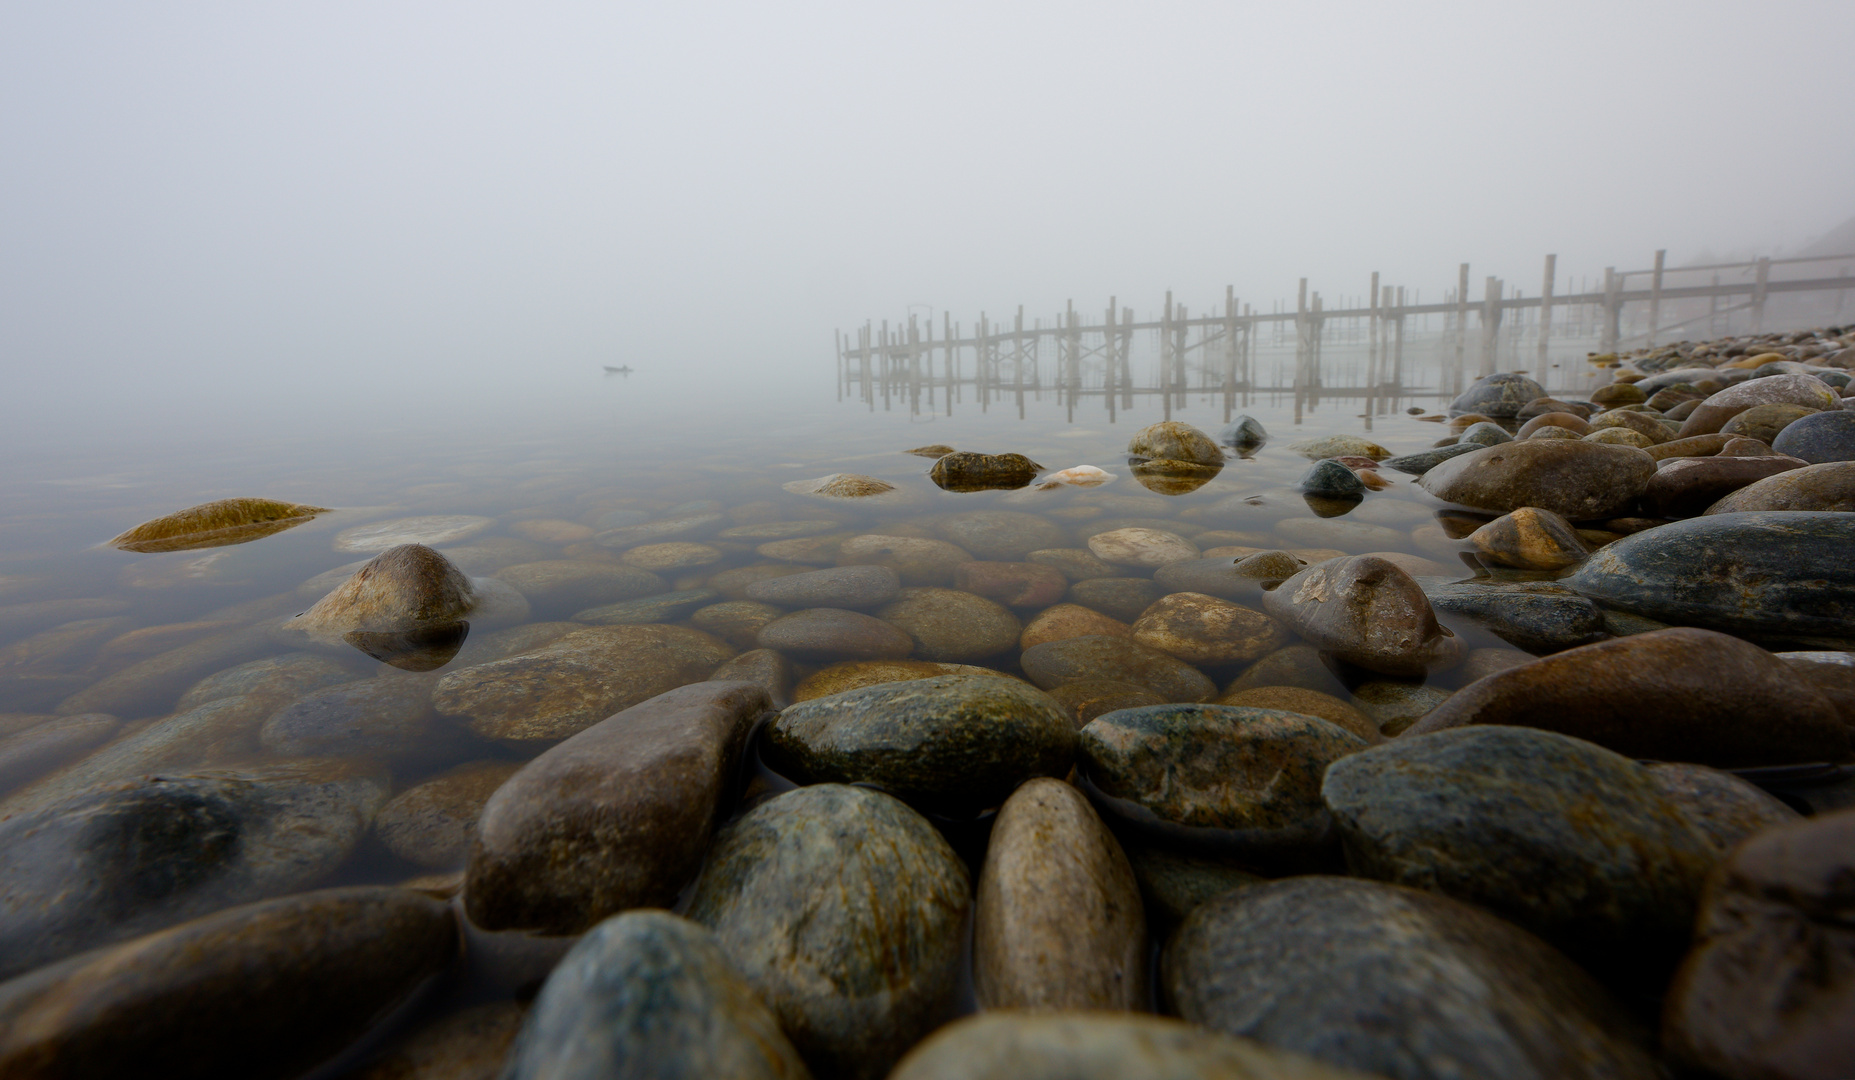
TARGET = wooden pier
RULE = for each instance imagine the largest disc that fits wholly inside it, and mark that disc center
(1183, 352)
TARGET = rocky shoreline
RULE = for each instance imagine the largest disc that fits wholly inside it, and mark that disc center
(783, 787)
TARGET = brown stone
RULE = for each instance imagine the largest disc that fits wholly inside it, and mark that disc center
(466, 1045)
(1204, 630)
(1568, 421)
(1297, 699)
(1659, 696)
(835, 634)
(402, 588)
(430, 824)
(1640, 422)
(952, 626)
(1725, 808)
(1070, 621)
(1576, 479)
(918, 560)
(1769, 989)
(1696, 446)
(1531, 539)
(860, 673)
(1829, 486)
(1085, 699)
(224, 521)
(1014, 584)
(1804, 390)
(615, 817)
(1763, 422)
(1367, 612)
(765, 668)
(1685, 487)
(1618, 393)
(1058, 922)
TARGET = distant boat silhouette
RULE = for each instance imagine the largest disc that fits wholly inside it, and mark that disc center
(626, 370)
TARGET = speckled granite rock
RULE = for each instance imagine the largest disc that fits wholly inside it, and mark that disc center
(1561, 837)
(1058, 922)
(1085, 699)
(964, 470)
(845, 910)
(1501, 395)
(1768, 990)
(1398, 983)
(131, 857)
(649, 994)
(1531, 539)
(955, 744)
(1219, 776)
(614, 817)
(1099, 1046)
(576, 681)
(855, 674)
(265, 991)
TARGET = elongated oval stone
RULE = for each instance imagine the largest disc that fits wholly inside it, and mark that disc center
(1575, 479)
(648, 994)
(1058, 923)
(955, 744)
(844, 909)
(615, 817)
(222, 521)
(266, 990)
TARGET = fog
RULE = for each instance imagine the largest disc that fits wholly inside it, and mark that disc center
(252, 206)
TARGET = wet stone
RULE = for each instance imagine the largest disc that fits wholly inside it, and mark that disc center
(1481, 663)
(1766, 990)
(1340, 534)
(1295, 665)
(1829, 486)
(952, 626)
(1657, 696)
(1058, 922)
(838, 587)
(559, 586)
(1828, 436)
(1538, 616)
(402, 588)
(1085, 699)
(1531, 539)
(1075, 564)
(1764, 422)
(919, 561)
(1303, 964)
(1423, 461)
(1500, 396)
(1064, 621)
(1014, 584)
(953, 744)
(431, 823)
(148, 687)
(372, 718)
(810, 550)
(1227, 578)
(614, 817)
(1001, 535)
(839, 486)
(695, 520)
(1774, 574)
(648, 993)
(31, 752)
(1141, 547)
(857, 674)
(1333, 446)
(738, 622)
(1396, 706)
(1173, 440)
(576, 681)
(1686, 487)
(466, 1045)
(1099, 657)
(129, 858)
(673, 556)
(280, 677)
(1569, 421)
(1204, 630)
(1331, 479)
(1724, 807)
(1367, 612)
(768, 670)
(1225, 778)
(1173, 883)
(1642, 424)
(1713, 413)
(1245, 433)
(1577, 480)
(779, 530)
(1485, 433)
(1297, 699)
(845, 911)
(1564, 838)
(426, 531)
(968, 471)
(665, 607)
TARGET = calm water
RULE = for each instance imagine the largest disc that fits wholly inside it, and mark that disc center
(577, 446)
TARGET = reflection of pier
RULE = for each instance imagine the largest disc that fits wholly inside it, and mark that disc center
(1227, 352)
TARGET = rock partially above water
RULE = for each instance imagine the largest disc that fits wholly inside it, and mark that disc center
(1243, 434)
(615, 817)
(649, 994)
(1685, 487)
(1366, 611)
(839, 486)
(261, 991)
(1501, 395)
(845, 910)
(955, 744)
(1829, 486)
(403, 588)
(1575, 479)
(1397, 983)
(966, 471)
(1681, 694)
(1173, 440)
(1778, 574)
(217, 523)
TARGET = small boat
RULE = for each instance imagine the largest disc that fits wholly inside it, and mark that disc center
(618, 370)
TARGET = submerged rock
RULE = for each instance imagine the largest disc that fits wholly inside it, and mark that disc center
(955, 744)
(649, 994)
(613, 818)
(217, 523)
(425, 531)
(431, 823)
(1397, 983)
(845, 910)
(952, 626)
(128, 858)
(1102, 657)
(268, 990)
(1200, 629)
(835, 634)
(839, 486)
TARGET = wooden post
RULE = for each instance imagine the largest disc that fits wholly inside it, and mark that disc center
(1758, 295)
(1373, 373)
(1713, 307)
(1545, 306)
(1462, 321)
(1613, 311)
(1397, 346)
(1655, 294)
(1490, 323)
(1127, 358)
(1017, 361)
(947, 332)
(1108, 348)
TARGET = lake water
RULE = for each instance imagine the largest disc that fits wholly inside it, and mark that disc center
(586, 448)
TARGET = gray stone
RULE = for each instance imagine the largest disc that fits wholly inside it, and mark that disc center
(469, 1044)
(1830, 486)
(1331, 479)
(613, 818)
(838, 587)
(918, 560)
(558, 586)
(1538, 616)
(1485, 434)
(33, 751)
(662, 608)
(374, 718)
(1398, 983)
(1424, 460)
(1685, 487)
(1560, 836)
(268, 990)
(1776, 574)
(128, 858)
(835, 634)
(1001, 535)
(845, 910)
(431, 823)
(1245, 434)
(151, 686)
(1724, 807)
(1122, 598)
(1825, 436)
(951, 626)
(649, 994)
(954, 744)
(1501, 395)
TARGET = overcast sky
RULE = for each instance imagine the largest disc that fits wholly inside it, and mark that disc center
(388, 189)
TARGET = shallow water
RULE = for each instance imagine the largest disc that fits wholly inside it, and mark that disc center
(643, 444)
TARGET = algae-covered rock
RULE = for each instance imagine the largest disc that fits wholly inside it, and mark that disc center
(214, 524)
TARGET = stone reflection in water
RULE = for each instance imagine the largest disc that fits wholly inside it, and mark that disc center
(425, 648)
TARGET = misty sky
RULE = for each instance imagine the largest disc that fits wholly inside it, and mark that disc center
(191, 192)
